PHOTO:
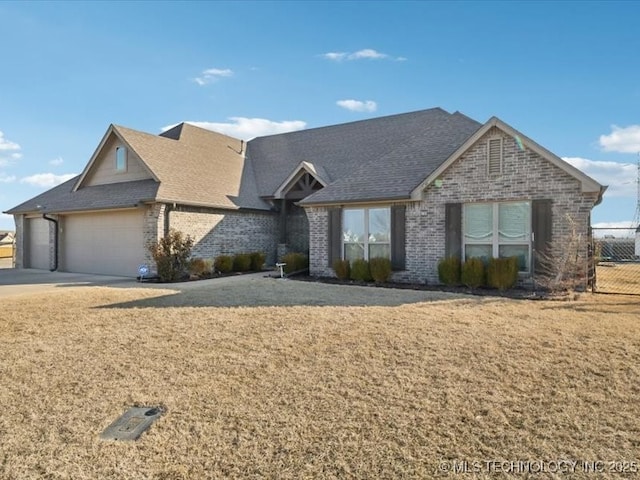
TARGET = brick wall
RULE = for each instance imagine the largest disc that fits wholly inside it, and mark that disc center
(525, 176)
(319, 241)
(223, 232)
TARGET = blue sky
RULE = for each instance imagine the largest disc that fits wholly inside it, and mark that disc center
(565, 74)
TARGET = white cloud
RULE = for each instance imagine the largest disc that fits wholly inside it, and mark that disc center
(6, 145)
(47, 179)
(368, 53)
(56, 161)
(9, 151)
(248, 128)
(335, 56)
(358, 105)
(621, 177)
(212, 74)
(622, 139)
(364, 54)
(4, 178)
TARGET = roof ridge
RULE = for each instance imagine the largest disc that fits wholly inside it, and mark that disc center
(354, 122)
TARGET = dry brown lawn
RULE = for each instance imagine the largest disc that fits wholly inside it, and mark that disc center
(618, 278)
(333, 390)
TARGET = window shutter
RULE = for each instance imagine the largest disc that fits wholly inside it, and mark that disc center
(495, 156)
(398, 237)
(335, 235)
(541, 226)
(453, 230)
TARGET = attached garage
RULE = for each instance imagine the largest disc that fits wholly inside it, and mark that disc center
(108, 243)
(37, 244)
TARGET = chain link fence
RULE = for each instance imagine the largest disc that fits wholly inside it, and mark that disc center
(616, 260)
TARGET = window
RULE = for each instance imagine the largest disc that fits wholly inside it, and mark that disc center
(498, 230)
(494, 156)
(366, 233)
(121, 159)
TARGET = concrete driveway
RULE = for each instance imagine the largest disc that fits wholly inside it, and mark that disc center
(19, 281)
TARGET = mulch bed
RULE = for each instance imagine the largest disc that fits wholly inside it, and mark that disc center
(514, 293)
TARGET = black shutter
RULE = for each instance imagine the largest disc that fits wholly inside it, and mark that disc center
(541, 225)
(398, 237)
(453, 230)
(335, 235)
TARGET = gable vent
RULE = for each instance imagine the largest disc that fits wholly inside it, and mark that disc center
(495, 156)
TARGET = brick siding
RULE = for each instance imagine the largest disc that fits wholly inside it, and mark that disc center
(223, 232)
(525, 176)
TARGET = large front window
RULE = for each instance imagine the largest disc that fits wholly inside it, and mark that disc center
(366, 233)
(498, 230)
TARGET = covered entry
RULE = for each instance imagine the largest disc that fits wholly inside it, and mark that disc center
(108, 243)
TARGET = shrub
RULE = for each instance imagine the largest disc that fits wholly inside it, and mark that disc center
(449, 271)
(342, 269)
(360, 270)
(380, 269)
(242, 262)
(257, 260)
(502, 273)
(223, 263)
(473, 273)
(295, 262)
(198, 266)
(171, 254)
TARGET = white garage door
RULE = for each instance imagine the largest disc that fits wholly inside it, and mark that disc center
(109, 243)
(38, 243)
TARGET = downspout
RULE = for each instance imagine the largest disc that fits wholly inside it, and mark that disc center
(167, 212)
(55, 240)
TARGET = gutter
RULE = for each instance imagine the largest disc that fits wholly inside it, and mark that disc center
(55, 240)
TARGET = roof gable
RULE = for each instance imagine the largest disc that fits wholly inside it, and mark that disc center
(588, 184)
(381, 157)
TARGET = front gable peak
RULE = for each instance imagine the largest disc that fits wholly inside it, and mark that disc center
(494, 129)
(115, 160)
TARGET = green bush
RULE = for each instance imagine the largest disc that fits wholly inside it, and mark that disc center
(473, 273)
(198, 266)
(342, 269)
(502, 273)
(242, 262)
(449, 271)
(380, 269)
(257, 260)
(295, 262)
(360, 270)
(171, 254)
(223, 263)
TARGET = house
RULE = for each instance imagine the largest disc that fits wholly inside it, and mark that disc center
(6, 244)
(413, 187)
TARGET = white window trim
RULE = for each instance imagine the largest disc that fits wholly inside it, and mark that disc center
(495, 236)
(126, 159)
(366, 231)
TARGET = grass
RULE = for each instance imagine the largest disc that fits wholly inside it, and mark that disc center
(332, 390)
(618, 278)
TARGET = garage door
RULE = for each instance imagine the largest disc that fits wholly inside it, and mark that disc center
(38, 243)
(105, 243)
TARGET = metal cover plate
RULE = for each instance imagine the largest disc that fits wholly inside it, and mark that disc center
(131, 424)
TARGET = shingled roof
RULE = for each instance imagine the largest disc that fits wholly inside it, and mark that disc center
(382, 158)
(189, 165)
(376, 159)
(197, 167)
(62, 198)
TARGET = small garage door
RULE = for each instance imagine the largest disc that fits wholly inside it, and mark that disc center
(109, 243)
(38, 243)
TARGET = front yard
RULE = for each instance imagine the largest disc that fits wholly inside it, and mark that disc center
(283, 379)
